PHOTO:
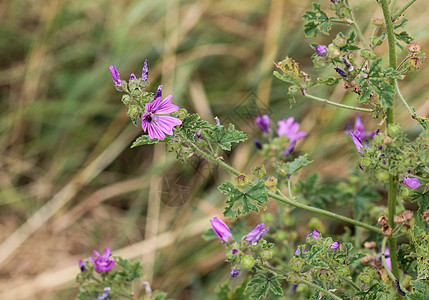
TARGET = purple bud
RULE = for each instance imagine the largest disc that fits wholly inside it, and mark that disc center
(349, 66)
(132, 77)
(234, 251)
(335, 245)
(256, 234)
(234, 273)
(221, 229)
(145, 71)
(116, 77)
(158, 93)
(315, 234)
(411, 182)
(105, 294)
(82, 266)
(217, 120)
(321, 50)
(293, 289)
(341, 72)
(298, 252)
(263, 123)
(258, 144)
(398, 287)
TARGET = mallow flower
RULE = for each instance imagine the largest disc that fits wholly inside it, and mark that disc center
(321, 50)
(289, 129)
(413, 183)
(116, 77)
(102, 263)
(263, 123)
(315, 234)
(256, 234)
(157, 125)
(335, 245)
(221, 230)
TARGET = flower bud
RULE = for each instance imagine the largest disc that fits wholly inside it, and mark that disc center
(382, 175)
(368, 53)
(333, 50)
(267, 254)
(126, 99)
(221, 230)
(339, 41)
(321, 50)
(394, 130)
(247, 261)
(377, 21)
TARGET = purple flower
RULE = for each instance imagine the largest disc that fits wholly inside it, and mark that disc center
(221, 230)
(256, 234)
(258, 144)
(293, 289)
(387, 257)
(341, 72)
(102, 263)
(263, 123)
(132, 77)
(335, 245)
(157, 125)
(217, 120)
(349, 66)
(359, 128)
(158, 92)
(315, 234)
(289, 129)
(145, 71)
(321, 50)
(355, 136)
(234, 251)
(82, 266)
(234, 273)
(116, 77)
(105, 294)
(411, 182)
(398, 288)
(298, 252)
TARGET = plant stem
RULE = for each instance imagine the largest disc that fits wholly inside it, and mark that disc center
(304, 281)
(283, 198)
(356, 26)
(403, 99)
(335, 103)
(402, 9)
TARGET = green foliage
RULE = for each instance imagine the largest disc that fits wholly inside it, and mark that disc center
(290, 71)
(224, 291)
(316, 194)
(291, 92)
(291, 168)
(422, 199)
(318, 21)
(224, 137)
(145, 140)
(244, 201)
(193, 124)
(262, 286)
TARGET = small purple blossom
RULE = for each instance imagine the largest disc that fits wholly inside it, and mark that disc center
(264, 123)
(297, 251)
(359, 128)
(221, 230)
(349, 66)
(82, 266)
(289, 128)
(321, 50)
(133, 77)
(358, 143)
(217, 120)
(293, 289)
(158, 93)
(256, 234)
(102, 263)
(398, 288)
(105, 294)
(145, 71)
(335, 245)
(234, 273)
(157, 125)
(315, 234)
(341, 72)
(258, 144)
(116, 77)
(411, 182)
(234, 251)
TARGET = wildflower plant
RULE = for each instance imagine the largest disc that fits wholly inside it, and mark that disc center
(269, 260)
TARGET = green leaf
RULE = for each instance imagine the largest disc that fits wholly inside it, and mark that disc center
(192, 124)
(403, 36)
(247, 200)
(146, 140)
(318, 21)
(292, 90)
(290, 168)
(224, 137)
(261, 286)
(422, 199)
(330, 81)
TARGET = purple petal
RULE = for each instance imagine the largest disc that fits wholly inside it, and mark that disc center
(158, 92)
(133, 77)
(413, 183)
(165, 107)
(254, 233)
(356, 140)
(106, 253)
(144, 122)
(145, 71)
(221, 229)
(96, 254)
(153, 106)
(116, 77)
(166, 124)
(263, 123)
(154, 131)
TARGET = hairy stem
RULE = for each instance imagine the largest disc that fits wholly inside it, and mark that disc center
(402, 9)
(335, 103)
(403, 99)
(393, 183)
(356, 26)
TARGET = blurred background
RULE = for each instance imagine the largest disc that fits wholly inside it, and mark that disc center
(69, 182)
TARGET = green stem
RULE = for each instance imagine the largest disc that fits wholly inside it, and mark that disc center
(304, 281)
(335, 103)
(349, 282)
(283, 198)
(403, 99)
(356, 26)
(402, 9)
(393, 183)
(324, 212)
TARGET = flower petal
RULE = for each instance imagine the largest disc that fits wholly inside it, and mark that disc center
(165, 107)
(166, 124)
(155, 132)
